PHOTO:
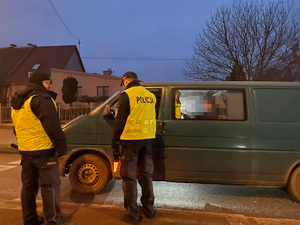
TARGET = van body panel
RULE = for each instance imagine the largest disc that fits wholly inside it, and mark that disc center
(255, 142)
(82, 130)
(105, 130)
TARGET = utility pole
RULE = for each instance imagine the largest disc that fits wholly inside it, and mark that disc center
(79, 42)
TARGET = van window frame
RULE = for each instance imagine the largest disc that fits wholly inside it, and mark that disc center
(243, 91)
(114, 99)
(161, 89)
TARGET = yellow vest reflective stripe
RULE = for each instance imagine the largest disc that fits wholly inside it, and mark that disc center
(30, 133)
(141, 122)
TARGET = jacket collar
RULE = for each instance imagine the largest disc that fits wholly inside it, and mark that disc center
(20, 97)
(36, 88)
(133, 83)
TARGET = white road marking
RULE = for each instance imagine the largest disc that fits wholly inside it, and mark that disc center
(15, 162)
(3, 168)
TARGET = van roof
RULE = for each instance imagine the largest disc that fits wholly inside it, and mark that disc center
(224, 83)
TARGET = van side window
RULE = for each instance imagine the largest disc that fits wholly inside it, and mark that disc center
(209, 104)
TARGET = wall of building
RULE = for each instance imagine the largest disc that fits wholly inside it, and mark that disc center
(87, 81)
(74, 63)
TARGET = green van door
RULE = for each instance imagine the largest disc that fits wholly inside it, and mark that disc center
(209, 142)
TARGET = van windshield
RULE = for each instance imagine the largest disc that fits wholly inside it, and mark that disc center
(96, 110)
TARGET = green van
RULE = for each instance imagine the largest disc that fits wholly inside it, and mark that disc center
(208, 132)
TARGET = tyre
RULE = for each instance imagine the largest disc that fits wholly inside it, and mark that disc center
(89, 174)
(294, 184)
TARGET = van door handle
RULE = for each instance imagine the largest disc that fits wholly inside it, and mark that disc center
(161, 127)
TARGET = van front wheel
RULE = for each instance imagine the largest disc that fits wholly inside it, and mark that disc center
(294, 184)
(89, 174)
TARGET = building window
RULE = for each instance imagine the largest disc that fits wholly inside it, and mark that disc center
(209, 104)
(36, 66)
(29, 74)
(102, 91)
(79, 91)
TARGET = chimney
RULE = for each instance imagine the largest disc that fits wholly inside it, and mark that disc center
(107, 72)
(31, 45)
(13, 45)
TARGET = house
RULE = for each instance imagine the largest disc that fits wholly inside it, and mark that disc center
(17, 64)
(89, 84)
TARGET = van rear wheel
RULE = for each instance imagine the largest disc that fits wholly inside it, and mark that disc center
(294, 184)
(89, 174)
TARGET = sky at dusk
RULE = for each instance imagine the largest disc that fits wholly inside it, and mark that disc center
(151, 37)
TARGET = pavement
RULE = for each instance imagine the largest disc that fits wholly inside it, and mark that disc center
(95, 214)
(86, 214)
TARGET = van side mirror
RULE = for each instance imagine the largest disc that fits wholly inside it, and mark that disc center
(108, 113)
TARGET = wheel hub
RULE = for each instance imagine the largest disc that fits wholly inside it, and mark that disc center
(88, 175)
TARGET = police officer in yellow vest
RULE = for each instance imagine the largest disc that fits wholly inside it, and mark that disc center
(134, 130)
(40, 142)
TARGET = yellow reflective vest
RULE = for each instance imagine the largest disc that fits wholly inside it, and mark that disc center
(177, 110)
(30, 133)
(141, 122)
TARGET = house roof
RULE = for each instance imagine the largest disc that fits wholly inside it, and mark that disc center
(46, 57)
(9, 59)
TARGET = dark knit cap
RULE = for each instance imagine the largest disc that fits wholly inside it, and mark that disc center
(129, 74)
(38, 77)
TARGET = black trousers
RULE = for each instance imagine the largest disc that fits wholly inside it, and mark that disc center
(137, 163)
(41, 172)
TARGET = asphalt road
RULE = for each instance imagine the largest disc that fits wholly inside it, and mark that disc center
(254, 202)
(249, 201)
(6, 135)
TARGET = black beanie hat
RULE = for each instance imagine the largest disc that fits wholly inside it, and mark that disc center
(38, 77)
(129, 74)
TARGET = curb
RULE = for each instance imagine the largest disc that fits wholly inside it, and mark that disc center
(8, 150)
(82, 213)
(6, 126)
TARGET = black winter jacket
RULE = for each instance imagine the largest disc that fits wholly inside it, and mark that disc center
(42, 106)
(123, 111)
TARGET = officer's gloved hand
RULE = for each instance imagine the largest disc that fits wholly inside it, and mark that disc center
(116, 156)
(115, 151)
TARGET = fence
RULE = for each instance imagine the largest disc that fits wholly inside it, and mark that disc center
(65, 113)
(5, 115)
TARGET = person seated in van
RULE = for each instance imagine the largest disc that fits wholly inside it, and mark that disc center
(209, 108)
(177, 105)
(221, 107)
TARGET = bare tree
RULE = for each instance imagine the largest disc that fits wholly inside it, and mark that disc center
(256, 36)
